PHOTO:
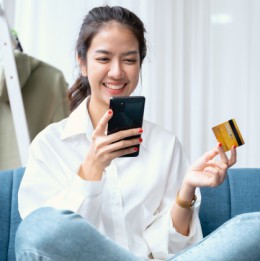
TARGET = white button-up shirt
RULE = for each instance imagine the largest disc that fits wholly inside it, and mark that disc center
(131, 204)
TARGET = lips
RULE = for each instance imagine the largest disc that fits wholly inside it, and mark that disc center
(113, 86)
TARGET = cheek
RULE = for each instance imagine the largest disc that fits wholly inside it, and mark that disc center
(94, 73)
(135, 76)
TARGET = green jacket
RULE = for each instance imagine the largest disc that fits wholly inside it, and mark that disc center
(44, 92)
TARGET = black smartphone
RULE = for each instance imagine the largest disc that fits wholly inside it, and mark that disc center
(128, 113)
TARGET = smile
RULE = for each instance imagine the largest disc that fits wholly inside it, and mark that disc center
(114, 86)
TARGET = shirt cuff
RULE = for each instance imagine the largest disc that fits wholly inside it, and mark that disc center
(177, 241)
(87, 188)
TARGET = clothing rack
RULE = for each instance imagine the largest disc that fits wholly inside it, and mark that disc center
(13, 88)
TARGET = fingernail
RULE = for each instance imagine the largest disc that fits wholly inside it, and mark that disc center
(234, 146)
(135, 149)
(109, 112)
(140, 139)
(220, 145)
(140, 130)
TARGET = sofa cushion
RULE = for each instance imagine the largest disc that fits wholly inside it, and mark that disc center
(9, 215)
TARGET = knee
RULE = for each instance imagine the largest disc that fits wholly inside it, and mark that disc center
(248, 222)
(43, 227)
(248, 217)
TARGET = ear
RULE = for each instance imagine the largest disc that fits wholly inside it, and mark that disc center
(82, 66)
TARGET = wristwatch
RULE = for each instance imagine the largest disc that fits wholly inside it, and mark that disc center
(185, 204)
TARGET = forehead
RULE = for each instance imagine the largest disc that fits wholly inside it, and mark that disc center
(114, 37)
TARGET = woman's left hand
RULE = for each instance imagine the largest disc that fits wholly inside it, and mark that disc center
(207, 172)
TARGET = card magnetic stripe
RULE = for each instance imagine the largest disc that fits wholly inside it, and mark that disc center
(233, 127)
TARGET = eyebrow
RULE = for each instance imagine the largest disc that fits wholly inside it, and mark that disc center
(107, 52)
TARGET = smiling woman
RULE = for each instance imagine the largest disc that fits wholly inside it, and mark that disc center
(89, 202)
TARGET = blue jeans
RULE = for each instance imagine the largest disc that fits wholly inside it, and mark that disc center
(52, 235)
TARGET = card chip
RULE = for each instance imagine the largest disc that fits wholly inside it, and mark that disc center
(228, 134)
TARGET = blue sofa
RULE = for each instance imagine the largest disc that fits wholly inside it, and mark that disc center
(240, 193)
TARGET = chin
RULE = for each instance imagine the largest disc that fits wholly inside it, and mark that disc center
(107, 100)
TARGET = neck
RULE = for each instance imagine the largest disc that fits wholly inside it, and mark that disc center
(96, 111)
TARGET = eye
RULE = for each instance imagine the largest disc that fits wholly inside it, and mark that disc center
(130, 61)
(102, 59)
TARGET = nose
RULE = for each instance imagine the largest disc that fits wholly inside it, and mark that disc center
(116, 70)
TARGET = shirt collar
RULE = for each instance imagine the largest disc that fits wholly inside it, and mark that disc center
(78, 122)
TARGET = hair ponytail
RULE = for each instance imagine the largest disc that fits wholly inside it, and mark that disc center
(78, 92)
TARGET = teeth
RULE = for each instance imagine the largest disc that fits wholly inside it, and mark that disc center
(114, 87)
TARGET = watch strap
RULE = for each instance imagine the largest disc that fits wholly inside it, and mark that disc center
(185, 204)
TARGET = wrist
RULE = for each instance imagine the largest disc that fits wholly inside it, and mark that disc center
(186, 192)
(89, 175)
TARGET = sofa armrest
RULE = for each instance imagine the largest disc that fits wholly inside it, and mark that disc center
(239, 194)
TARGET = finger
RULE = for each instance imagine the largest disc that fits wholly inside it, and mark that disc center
(222, 154)
(214, 177)
(211, 169)
(201, 162)
(119, 145)
(102, 124)
(108, 157)
(125, 151)
(217, 164)
(219, 175)
(120, 135)
(233, 157)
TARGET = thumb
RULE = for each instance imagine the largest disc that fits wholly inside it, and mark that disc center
(102, 125)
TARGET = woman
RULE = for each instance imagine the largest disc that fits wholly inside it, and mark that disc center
(80, 200)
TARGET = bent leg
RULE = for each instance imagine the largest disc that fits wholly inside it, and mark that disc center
(49, 234)
(238, 239)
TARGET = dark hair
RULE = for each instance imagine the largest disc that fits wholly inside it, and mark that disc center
(94, 21)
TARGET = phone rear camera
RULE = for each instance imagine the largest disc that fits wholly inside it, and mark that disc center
(120, 107)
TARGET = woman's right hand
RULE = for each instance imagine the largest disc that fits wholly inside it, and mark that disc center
(104, 148)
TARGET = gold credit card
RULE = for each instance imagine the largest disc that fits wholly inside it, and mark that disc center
(228, 134)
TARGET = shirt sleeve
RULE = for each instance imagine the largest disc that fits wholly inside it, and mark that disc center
(162, 238)
(49, 183)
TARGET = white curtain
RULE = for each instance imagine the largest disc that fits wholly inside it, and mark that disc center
(202, 68)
